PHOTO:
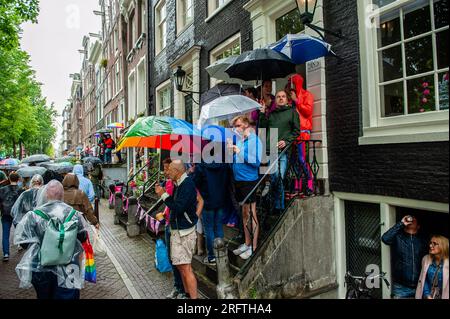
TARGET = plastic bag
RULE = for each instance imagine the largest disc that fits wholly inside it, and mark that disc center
(162, 262)
(99, 246)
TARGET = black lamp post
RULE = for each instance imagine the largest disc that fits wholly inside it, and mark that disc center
(180, 76)
(307, 9)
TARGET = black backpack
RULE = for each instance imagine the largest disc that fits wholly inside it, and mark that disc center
(11, 193)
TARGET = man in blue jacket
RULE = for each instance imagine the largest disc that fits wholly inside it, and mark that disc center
(183, 219)
(408, 249)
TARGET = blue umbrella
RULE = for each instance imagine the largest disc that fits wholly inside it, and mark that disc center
(301, 48)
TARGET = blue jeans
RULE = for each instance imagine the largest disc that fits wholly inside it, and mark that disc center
(108, 153)
(402, 292)
(302, 158)
(6, 229)
(277, 183)
(46, 286)
(212, 222)
(177, 281)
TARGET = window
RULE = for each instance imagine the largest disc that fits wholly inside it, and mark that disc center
(118, 76)
(215, 6)
(290, 23)
(164, 101)
(234, 48)
(143, 17)
(185, 13)
(407, 64)
(132, 28)
(116, 39)
(161, 26)
(230, 47)
(410, 67)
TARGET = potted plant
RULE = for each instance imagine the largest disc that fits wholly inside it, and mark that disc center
(104, 63)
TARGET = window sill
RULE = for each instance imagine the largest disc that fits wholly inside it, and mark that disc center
(215, 12)
(184, 28)
(426, 131)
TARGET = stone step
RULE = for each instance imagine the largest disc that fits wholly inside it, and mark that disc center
(207, 270)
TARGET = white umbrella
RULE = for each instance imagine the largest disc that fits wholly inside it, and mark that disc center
(217, 70)
(226, 107)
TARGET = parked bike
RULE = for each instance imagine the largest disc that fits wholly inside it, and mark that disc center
(357, 287)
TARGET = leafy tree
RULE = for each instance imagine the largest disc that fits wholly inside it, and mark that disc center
(12, 14)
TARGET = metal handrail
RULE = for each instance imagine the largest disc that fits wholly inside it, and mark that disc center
(313, 166)
(146, 165)
(266, 174)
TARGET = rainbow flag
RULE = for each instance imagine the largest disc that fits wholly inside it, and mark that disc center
(90, 272)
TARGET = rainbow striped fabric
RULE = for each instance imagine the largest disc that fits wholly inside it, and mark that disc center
(90, 273)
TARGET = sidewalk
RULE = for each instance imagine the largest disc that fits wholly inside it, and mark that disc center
(127, 272)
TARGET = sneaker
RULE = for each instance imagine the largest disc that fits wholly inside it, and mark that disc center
(206, 260)
(173, 295)
(265, 190)
(182, 296)
(241, 249)
(6, 257)
(246, 254)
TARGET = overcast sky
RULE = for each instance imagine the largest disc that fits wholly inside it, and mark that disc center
(53, 45)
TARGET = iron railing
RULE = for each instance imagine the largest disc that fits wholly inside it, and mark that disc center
(294, 184)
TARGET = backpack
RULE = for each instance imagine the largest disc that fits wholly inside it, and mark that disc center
(59, 241)
(11, 196)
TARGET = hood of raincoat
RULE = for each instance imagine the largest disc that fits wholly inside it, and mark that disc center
(71, 181)
(27, 201)
(298, 81)
(31, 230)
(78, 169)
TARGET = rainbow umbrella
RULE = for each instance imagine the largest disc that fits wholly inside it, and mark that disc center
(10, 161)
(115, 125)
(162, 132)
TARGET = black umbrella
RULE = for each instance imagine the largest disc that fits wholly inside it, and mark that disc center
(92, 159)
(261, 64)
(218, 91)
(30, 171)
(60, 168)
(36, 158)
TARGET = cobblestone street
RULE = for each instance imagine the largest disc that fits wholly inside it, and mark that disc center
(127, 272)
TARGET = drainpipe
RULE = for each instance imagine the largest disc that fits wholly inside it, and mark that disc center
(225, 287)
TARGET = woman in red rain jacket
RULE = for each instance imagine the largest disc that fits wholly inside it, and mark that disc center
(304, 101)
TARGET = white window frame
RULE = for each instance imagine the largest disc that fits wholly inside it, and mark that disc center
(221, 48)
(214, 8)
(162, 89)
(143, 17)
(160, 27)
(418, 127)
(118, 78)
(182, 22)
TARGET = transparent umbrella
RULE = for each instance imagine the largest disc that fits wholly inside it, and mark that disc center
(226, 107)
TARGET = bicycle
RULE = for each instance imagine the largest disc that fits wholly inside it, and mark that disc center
(357, 285)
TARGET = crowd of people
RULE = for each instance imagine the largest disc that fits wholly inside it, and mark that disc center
(32, 209)
(197, 197)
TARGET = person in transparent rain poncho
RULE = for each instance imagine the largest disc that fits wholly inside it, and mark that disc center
(50, 282)
(27, 200)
